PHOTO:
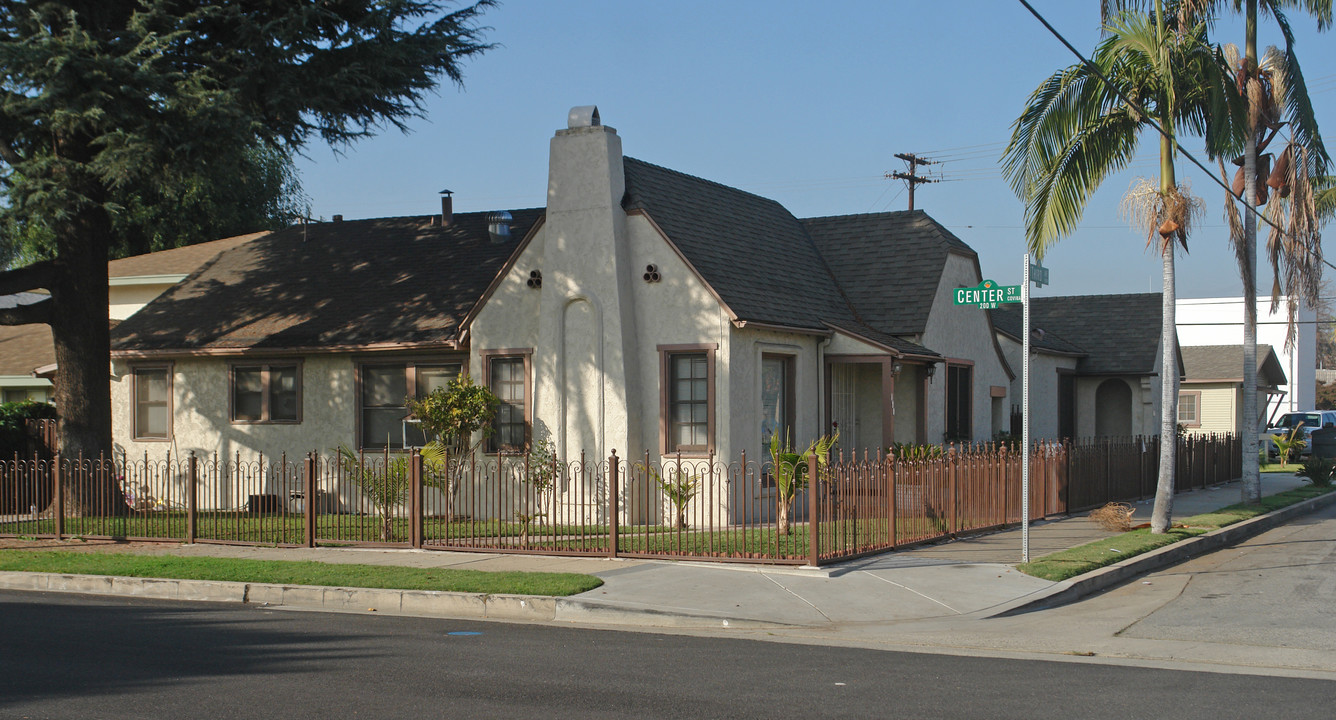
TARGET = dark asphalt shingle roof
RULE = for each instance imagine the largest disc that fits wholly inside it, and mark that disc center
(1224, 363)
(1008, 320)
(352, 283)
(889, 264)
(1119, 334)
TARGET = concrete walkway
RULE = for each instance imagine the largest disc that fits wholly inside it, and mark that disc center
(968, 577)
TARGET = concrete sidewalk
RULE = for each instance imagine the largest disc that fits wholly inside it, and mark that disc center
(972, 576)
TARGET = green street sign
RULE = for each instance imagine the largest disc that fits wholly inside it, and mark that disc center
(988, 295)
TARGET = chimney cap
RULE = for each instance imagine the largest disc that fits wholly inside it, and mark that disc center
(583, 116)
(446, 192)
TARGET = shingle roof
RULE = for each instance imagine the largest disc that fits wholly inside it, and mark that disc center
(24, 348)
(1118, 333)
(1224, 363)
(889, 264)
(753, 252)
(353, 283)
(177, 261)
(1008, 320)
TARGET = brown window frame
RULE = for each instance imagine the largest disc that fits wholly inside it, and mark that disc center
(1196, 406)
(135, 370)
(409, 366)
(952, 367)
(266, 367)
(487, 357)
(666, 355)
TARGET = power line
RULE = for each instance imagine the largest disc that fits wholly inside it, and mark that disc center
(912, 178)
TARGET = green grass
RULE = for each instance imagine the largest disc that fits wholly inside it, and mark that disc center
(1092, 556)
(284, 572)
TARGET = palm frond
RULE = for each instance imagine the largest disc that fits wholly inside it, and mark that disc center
(1298, 106)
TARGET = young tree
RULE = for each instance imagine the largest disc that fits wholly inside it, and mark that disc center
(1085, 122)
(98, 96)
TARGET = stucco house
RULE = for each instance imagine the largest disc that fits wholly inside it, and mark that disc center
(1095, 361)
(643, 310)
(1210, 400)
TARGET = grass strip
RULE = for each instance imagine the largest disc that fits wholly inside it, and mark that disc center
(290, 572)
(1092, 556)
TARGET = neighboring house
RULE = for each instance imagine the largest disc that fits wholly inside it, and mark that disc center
(27, 355)
(1095, 363)
(1219, 321)
(1210, 399)
(643, 310)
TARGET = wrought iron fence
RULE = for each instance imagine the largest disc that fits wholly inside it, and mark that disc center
(648, 506)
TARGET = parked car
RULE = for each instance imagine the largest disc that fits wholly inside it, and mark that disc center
(1310, 420)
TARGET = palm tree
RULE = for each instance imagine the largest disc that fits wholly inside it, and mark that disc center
(1085, 122)
(1273, 85)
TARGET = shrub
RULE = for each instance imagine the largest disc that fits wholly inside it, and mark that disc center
(450, 415)
(13, 431)
(1317, 470)
(915, 453)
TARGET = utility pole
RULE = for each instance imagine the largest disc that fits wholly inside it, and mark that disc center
(912, 177)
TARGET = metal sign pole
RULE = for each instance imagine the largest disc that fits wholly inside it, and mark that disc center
(1025, 414)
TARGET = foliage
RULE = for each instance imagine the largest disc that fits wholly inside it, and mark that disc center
(538, 478)
(1317, 470)
(1289, 444)
(103, 101)
(679, 488)
(13, 431)
(917, 453)
(386, 482)
(790, 471)
(452, 414)
(1326, 396)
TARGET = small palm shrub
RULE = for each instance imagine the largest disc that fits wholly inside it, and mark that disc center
(1318, 471)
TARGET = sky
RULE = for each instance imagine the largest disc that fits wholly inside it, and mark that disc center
(806, 103)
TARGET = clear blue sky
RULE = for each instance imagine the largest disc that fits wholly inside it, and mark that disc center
(803, 102)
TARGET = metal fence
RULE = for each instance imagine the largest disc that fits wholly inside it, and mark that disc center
(643, 507)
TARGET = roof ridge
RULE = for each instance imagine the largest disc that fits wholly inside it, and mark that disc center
(707, 181)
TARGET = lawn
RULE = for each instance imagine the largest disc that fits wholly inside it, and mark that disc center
(284, 572)
(1092, 556)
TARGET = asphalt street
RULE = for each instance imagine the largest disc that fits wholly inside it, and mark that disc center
(70, 656)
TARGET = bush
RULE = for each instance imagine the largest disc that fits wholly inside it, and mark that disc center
(916, 453)
(1317, 470)
(13, 431)
(450, 415)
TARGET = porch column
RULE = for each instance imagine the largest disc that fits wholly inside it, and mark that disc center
(887, 402)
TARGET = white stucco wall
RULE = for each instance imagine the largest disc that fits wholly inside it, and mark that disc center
(127, 295)
(962, 332)
(1219, 321)
(1044, 382)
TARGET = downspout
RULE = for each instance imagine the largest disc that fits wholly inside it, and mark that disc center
(821, 381)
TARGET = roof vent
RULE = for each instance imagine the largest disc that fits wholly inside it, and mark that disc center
(583, 116)
(447, 209)
(498, 226)
(338, 218)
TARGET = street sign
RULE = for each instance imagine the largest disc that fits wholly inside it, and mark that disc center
(1038, 274)
(988, 295)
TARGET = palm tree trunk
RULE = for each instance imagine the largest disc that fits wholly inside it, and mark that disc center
(1251, 487)
(1164, 486)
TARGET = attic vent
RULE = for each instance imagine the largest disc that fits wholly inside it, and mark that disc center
(535, 279)
(583, 116)
(652, 273)
(498, 226)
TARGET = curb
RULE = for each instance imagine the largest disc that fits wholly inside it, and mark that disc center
(1069, 591)
(415, 603)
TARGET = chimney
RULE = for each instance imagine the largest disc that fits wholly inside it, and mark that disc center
(447, 209)
(338, 218)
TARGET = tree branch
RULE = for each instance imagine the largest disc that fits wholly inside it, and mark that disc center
(29, 277)
(38, 313)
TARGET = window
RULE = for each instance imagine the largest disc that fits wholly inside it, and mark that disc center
(508, 379)
(266, 393)
(687, 398)
(152, 402)
(776, 400)
(385, 389)
(1189, 408)
(959, 402)
(12, 395)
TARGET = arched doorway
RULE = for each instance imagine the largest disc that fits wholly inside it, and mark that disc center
(1113, 408)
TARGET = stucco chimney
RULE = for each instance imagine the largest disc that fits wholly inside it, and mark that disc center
(447, 208)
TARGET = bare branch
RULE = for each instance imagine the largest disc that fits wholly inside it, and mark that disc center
(38, 313)
(28, 277)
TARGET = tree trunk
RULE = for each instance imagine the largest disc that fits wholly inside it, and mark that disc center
(82, 341)
(1163, 511)
(782, 514)
(1251, 487)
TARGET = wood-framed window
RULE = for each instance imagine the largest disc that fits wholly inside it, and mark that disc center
(384, 389)
(151, 409)
(687, 398)
(959, 402)
(1189, 408)
(507, 374)
(269, 392)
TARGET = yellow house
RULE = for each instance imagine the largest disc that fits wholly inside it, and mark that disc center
(1210, 398)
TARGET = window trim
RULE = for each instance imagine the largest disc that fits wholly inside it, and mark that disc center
(485, 358)
(135, 370)
(410, 365)
(951, 364)
(790, 388)
(1196, 407)
(265, 410)
(666, 353)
